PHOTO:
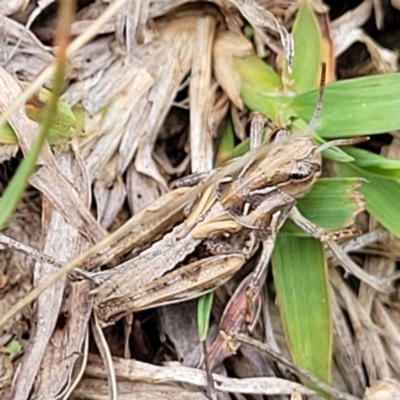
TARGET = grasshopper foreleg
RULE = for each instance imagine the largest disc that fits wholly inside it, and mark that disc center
(318, 232)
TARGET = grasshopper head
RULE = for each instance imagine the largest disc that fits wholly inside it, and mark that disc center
(261, 194)
(295, 164)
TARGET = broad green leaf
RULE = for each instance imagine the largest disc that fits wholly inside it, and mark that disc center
(351, 108)
(300, 276)
(204, 306)
(381, 196)
(332, 204)
(354, 107)
(307, 46)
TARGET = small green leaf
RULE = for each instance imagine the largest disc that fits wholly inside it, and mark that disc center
(332, 204)
(307, 46)
(300, 276)
(380, 196)
(248, 32)
(80, 115)
(7, 134)
(14, 348)
(204, 306)
(64, 119)
(337, 154)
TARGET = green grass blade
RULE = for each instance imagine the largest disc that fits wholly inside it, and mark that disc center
(333, 153)
(374, 163)
(204, 307)
(300, 276)
(226, 145)
(381, 196)
(353, 107)
(17, 185)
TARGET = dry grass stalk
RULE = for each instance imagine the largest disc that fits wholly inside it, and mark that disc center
(128, 89)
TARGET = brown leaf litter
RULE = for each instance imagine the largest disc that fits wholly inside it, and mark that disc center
(150, 81)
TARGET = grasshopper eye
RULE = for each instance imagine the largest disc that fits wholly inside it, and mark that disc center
(303, 170)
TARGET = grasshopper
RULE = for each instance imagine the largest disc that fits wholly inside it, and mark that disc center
(186, 263)
(250, 200)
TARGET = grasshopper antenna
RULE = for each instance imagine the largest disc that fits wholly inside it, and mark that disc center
(316, 116)
(342, 142)
(318, 108)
